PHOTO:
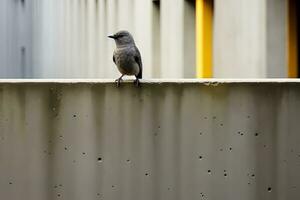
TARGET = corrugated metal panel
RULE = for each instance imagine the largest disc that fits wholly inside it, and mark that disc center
(193, 140)
(68, 39)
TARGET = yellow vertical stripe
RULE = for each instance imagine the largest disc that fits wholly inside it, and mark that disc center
(204, 19)
(292, 40)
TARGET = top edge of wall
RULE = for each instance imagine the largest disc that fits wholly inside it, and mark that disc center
(153, 81)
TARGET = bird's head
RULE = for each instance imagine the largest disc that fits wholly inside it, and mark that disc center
(122, 38)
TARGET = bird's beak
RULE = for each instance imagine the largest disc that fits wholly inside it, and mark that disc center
(111, 36)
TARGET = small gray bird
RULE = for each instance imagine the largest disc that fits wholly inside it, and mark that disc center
(127, 56)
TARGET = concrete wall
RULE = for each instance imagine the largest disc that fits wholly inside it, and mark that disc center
(166, 140)
(250, 38)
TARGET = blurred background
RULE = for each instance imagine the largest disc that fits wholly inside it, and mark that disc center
(177, 38)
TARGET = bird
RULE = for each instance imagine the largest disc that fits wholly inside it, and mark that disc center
(127, 56)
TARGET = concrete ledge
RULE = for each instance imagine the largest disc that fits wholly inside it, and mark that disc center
(211, 80)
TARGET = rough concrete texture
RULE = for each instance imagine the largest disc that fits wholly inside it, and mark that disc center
(164, 141)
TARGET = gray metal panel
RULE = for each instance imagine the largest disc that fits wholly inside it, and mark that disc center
(95, 141)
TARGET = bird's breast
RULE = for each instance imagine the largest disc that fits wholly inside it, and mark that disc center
(125, 61)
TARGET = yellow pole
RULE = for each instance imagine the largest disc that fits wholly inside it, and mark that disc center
(204, 20)
(292, 40)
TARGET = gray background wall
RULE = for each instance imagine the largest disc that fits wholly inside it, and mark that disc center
(67, 38)
(169, 140)
(250, 39)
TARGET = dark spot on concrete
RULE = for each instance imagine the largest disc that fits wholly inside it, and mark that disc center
(99, 159)
(200, 157)
(256, 134)
(66, 148)
(225, 174)
(209, 171)
(269, 189)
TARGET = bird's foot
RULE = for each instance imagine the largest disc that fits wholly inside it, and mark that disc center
(118, 81)
(137, 82)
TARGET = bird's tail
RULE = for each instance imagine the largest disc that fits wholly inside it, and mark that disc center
(140, 75)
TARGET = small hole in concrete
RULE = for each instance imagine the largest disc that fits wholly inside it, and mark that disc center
(253, 175)
(58, 195)
(256, 134)
(225, 174)
(74, 115)
(99, 159)
(230, 148)
(200, 133)
(98, 194)
(269, 189)
(146, 174)
(112, 186)
(221, 149)
(66, 148)
(209, 171)
(83, 153)
(200, 157)
(55, 186)
(128, 160)
(10, 183)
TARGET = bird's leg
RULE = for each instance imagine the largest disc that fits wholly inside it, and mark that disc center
(118, 80)
(137, 81)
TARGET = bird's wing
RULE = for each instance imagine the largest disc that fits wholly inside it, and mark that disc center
(138, 60)
(114, 59)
